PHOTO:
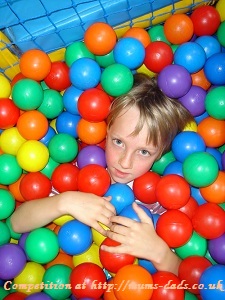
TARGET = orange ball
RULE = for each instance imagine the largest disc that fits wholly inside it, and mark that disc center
(135, 276)
(91, 133)
(140, 34)
(215, 192)
(14, 188)
(35, 64)
(100, 38)
(61, 259)
(109, 292)
(32, 125)
(178, 28)
(212, 131)
(200, 79)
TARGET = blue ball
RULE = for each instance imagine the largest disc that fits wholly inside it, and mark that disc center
(129, 212)
(195, 193)
(175, 167)
(148, 265)
(74, 237)
(186, 143)
(122, 195)
(67, 123)
(49, 134)
(191, 56)
(213, 283)
(217, 155)
(129, 52)
(70, 99)
(214, 69)
(85, 73)
(210, 44)
(198, 119)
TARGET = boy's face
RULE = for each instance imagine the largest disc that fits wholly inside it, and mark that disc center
(128, 156)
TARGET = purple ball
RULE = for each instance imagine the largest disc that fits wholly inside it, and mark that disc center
(12, 261)
(216, 249)
(38, 296)
(194, 100)
(174, 81)
(91, 154)
(223, 160)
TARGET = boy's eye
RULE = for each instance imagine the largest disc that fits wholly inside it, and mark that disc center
(145, 152)
(117, 142)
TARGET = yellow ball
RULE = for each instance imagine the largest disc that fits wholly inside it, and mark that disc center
(32, 156)
(144, 70)
(63, 219)
(192, 126)
(98, 238)
(11, 140)
(220, 7)
(32, 275)
(91, 255)
(5, 87)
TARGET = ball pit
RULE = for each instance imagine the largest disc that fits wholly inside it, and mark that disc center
(52, 121)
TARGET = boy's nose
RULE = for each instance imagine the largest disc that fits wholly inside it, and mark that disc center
(126, 161)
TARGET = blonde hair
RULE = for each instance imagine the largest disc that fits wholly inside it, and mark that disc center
(165, 117)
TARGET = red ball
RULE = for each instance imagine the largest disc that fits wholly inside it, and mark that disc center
(94, 105)
(65, 177)
(144, 187)
(174, 227)
(112, 262)
(35, 185)
(173, 191)
(16, 296)
(206, 20)
(89, 276)
(93, 179)
(169, 286)
(158, 55)
(209, 221)
(9, 113)
(190, 271)
(190, 207)
(58, 78)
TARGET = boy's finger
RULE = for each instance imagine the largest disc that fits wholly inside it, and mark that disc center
(142, 214)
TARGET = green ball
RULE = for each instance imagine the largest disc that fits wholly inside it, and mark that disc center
(14, 235)
(60, 275)
(105, 60)
(49, 168)
(41, 245)
(63, 148)
(221, 33)
(5, 234)
(197, 245)
(189, 296)
(52, 104)
(200, 169)
(7, 204)
(160, 164)
(3, 293)
(10, 170)
(75, 51)
(215, 102)
(27, 94)
(117, 79)
(156, 33)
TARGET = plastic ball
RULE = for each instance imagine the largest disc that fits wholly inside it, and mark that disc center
(12, 261)
(216, 249)
(14, 188)
(52, 104)
(212, 131)
(85, 73)
(190, 207)
(31, 275)
(91, 133)
(75, 51)
(172, 191)
(208, 220)
(160, 164)
(58, 77)
(175, 81)
(219, 7)
(35, 64)
(91, 255)
(11, 140)
(215, 192)
(129, 52)
(175, 167)
(15, 296)
(100, 38)
(5, 233)
(191, 269)
(214, 69)
(122, 195)
(63, 148)
(9, 113)
(59, 275)
(144, 187)
(5, 87)
(135, 275)
(140, 34)
(47, 137)
(41, 245)
(158, 55)
(199, 79)
(215, 103)
(157, 33)
(91, 154)
(217, 155)
(61, 259)
(105, 60)
(7, 204)
(206, 20)
(129, 212)
(194, 100)
(38, 296)
(223, 160)
(94, 179)
(174, 227)
(70, 99)
(117, 79)
(210, 45)
(98, 238)
(186, 143)
(64, 177)
(27, 94)
(94, 105)
(200, 169)
(67, 123)
(87, 275)
(213, 276)
(10, 169)
(220, 34)
(32, 156)
(178, 28)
